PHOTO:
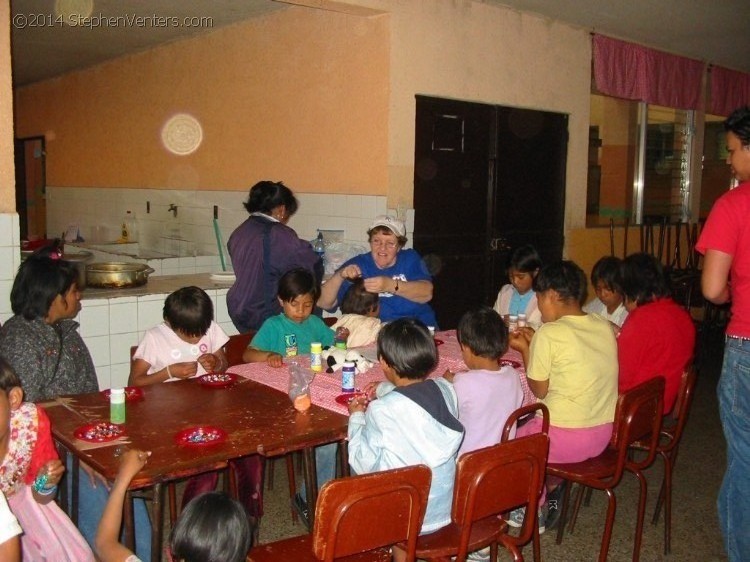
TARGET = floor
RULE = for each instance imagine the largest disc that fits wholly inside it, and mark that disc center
(698, 473)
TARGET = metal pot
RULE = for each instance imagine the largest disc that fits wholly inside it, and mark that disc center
(116, 275)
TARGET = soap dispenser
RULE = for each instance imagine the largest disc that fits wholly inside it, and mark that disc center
(128, 229)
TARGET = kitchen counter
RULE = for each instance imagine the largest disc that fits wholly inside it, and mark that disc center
(157, 285)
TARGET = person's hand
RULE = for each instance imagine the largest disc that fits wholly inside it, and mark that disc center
(449, 375)
(131, 463)
(370, 391)
(208, 361)
(183, 370)
(519, 341)
(275, 360)
(379, 284)
(358, 404)
(350, 272)
(54, 470)
(527, 332)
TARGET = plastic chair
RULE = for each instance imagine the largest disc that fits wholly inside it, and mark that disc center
(638, 414)
(236, 345)
(489, 482)
(671, 434)
(360, 516)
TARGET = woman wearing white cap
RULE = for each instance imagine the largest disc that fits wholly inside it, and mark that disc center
(398, 275)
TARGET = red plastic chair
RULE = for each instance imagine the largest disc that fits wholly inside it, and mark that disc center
(489, 482)
(638, 414)
(359, 518)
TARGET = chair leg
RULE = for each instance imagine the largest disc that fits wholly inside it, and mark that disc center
(577, 506)
(641, 513)
(172, 503)
(587, 498)
(269, 473)
(668, 466)
(563, 513)
(607, 536)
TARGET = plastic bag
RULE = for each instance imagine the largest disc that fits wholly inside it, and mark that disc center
(339, 252)
(299, 385)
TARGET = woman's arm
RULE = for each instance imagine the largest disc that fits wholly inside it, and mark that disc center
(416, 291)
(107, 544)
(715, 276)
(330, 289)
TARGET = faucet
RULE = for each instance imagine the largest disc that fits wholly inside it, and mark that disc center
(172, 209)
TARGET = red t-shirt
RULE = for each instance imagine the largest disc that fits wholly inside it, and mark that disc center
(727, 230)
(657, 338)
(44, 450)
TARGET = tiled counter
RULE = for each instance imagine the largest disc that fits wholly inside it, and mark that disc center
(113, 320)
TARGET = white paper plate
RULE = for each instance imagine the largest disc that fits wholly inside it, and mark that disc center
(223, 277)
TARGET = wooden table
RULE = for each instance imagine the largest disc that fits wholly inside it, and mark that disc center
(257, 419)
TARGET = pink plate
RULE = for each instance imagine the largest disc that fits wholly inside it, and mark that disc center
(132, 393)
(509, 363)
(347, 397)
(201, 436)
(438, 341)
(218, 380)
(99, 432)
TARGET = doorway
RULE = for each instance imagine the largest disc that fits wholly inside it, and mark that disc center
(487, 179)
(31, 186)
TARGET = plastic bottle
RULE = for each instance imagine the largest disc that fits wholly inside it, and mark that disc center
(128, 229)
(512, 323)
(521, 320)
(347, 376)
(340, 337)
(320, 246)
(316, 357)
(117, 405)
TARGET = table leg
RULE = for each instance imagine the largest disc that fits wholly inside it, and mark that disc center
(157, 523)
(62, 498)
(74, 475)
(311, 481)
(344, 457)
(129, 520)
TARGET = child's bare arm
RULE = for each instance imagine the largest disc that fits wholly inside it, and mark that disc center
(108, 547)
(253, 355)
(139, 372)
(45, 484)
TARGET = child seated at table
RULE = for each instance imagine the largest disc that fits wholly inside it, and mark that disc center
(413, 421)
(29, 474)
(518, 296)
(211, 527)
(360, 310)
(606, 278)
(291, 332)
(487, 393)
(187, 344)
(571, 366)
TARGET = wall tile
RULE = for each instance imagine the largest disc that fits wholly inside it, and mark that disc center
(94, 318)
(119, 346)
(150, 312)
(103, 377)
(99, 349)
(121, 316)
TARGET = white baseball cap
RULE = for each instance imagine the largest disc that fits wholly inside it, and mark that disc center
(395, 225)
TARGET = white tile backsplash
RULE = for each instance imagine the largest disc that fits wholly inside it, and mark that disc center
(94, 318)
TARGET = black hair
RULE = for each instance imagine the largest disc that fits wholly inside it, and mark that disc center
(739, 124)
(189, 310)
(607, 270)
(643, 279)
(483, 331)
(357, 300)
(212, 528)
(8, 377)
(564, 277)
(525, 259)
(407, 346)
(265, 196)
(296, 282)
(40, 279)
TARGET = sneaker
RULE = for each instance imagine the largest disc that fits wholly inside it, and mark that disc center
(517, 516)
(554, 505)
(300, 506)
(479, 555)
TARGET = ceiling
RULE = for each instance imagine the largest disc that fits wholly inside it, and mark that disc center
(703, 29)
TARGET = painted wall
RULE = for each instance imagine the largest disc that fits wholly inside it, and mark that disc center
(7, 170)
(298, 95)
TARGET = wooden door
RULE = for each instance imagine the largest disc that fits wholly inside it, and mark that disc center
(486, 179)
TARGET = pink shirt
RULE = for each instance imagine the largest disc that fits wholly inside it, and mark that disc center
(728, 230)
(485, 400)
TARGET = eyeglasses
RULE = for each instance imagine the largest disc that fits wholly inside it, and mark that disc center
(383, 244)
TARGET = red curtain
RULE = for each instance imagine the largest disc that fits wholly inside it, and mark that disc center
(630, 71)
(729, 90)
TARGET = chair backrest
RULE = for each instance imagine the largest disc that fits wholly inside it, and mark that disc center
(236, 345)
(638, 416)
(522, 412)
(330, 320)
(499, 478)
(682, 407)
(366, 512)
